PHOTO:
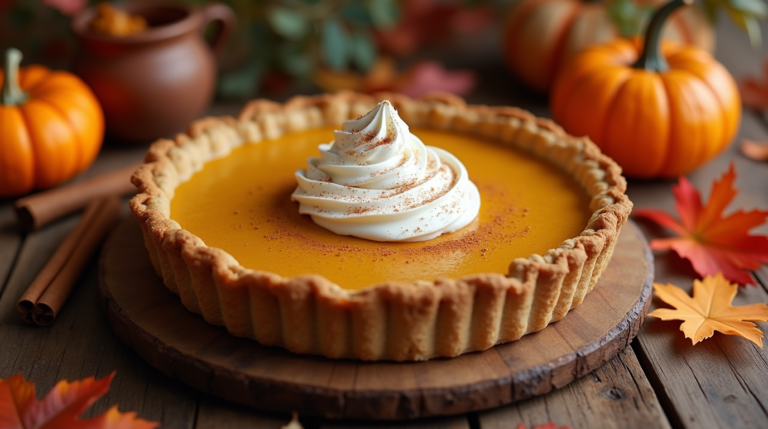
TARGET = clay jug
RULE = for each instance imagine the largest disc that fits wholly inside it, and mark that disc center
(152, 84)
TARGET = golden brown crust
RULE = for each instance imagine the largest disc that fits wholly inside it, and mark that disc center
(309, 314)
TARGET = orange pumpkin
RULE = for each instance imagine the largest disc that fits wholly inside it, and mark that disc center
(658, 113)
(51, 127)
(542, 35)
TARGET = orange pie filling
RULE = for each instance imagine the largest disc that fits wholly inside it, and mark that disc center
(242, 204)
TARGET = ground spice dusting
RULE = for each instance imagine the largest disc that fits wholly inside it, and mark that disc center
(388, 139)
(387, 170)
(359, 210)
(365, 138)
(481, 240)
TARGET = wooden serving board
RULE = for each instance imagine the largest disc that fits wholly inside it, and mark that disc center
(152, 320)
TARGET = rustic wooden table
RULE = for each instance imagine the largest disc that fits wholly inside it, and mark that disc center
(658, 381)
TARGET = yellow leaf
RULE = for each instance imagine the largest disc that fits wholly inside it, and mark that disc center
(710, 310)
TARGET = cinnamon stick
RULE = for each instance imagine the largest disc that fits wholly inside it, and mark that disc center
(26, 304)
(39, 209)
(46, 295)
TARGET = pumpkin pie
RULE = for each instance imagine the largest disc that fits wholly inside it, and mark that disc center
(222, 219)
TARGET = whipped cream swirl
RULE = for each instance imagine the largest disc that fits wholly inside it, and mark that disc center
(380, 182)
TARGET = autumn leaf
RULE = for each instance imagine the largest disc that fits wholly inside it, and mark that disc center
(61, 407)
(754, 92)
(713, 243)
(710, 310)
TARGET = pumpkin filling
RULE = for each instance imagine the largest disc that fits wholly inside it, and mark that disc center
(241, 204)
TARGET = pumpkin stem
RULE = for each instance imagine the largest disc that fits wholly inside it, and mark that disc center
(11, 94)
(651, 58)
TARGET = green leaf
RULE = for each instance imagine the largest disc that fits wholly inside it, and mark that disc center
(629, 17)
(295, 60)
(335, 45)
(241, 83)
(356, 12)
(744, 13)
(748, 7)
(363, 50)
(287, 23)
(384, 13)
(753, 32)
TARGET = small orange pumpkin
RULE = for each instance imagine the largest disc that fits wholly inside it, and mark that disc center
(658, 113)
(51, 127)
(543, 35)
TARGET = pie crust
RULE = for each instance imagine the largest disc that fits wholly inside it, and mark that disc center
(387, 321)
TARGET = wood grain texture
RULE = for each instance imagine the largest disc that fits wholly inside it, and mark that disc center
(80, 343)
(10, 241)
(720, 382)
(180, 343)
(433, 423)
(616, 395)
(214, 413)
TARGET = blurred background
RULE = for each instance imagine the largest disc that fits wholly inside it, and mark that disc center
(414, 47)
(150, 82)
(307, 45)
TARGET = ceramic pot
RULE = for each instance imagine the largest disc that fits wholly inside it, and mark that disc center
(153, 83)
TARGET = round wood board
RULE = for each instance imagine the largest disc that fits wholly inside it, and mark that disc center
(152, 320)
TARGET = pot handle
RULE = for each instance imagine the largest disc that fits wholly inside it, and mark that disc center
(226, 18)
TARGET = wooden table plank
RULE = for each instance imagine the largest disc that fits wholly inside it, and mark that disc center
(459, 422)
(617, 395)
(10, 242)
(19, 345)
(719, 383)
(80, 343)
(214, 413)
(762, 277)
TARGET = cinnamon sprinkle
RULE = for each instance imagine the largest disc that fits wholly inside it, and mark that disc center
(480, 241)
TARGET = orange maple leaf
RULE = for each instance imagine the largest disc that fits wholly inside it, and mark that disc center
(20, 409)
(713, 243)
(710, 310)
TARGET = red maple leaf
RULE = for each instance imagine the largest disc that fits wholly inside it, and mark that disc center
(713, 243)
(20, 409)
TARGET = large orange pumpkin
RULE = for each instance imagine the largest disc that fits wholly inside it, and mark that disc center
(657, 112)
(51, 127)
(542, 35)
